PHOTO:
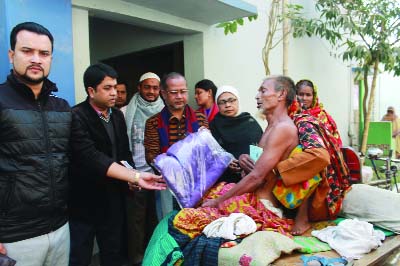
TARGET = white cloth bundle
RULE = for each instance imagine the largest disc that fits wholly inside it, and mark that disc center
(351, 238)
(229, 227)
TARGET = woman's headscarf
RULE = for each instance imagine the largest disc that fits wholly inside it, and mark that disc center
(317, 111)
(230, 89)
(390, 114)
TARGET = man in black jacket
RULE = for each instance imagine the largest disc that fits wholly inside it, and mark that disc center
(34, 135)
(98, 142)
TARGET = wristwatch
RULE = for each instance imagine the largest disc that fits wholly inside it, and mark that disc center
(136, 178)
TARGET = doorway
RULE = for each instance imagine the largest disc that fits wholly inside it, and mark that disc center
(160, 60)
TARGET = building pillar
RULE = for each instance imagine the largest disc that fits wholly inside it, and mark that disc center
(80, 30)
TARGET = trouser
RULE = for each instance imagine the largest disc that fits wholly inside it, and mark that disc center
(45, 250)
(141, 221)
(109, 239)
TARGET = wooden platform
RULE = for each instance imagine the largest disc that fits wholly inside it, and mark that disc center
(376, 257)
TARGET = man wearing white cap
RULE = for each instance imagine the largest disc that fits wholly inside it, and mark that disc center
(140, 204)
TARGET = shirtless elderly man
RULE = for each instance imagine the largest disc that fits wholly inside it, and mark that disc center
(274, 96)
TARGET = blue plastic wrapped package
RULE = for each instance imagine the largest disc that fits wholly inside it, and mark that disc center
(193, 165)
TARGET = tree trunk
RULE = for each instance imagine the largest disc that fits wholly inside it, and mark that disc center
(285, 43)
(366, 91)
(370, 107)
(272, 25)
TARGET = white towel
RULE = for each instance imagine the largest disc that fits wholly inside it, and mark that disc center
(351, 238)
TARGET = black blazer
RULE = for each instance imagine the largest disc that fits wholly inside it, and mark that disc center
(91, 191)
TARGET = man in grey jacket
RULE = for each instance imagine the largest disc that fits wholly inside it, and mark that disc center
(140, 204)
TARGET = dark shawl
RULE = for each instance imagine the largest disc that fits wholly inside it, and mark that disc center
(235, 134)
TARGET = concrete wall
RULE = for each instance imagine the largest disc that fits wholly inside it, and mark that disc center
(388, 94)
(80, 29)
(236, 59)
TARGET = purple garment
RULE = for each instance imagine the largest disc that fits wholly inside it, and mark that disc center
(191, 166)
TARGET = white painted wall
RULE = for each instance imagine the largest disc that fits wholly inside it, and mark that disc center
(388, 94)
(80, 31)
(236, 60)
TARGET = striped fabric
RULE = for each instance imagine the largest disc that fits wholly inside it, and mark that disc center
(191, 126)
(177, 131)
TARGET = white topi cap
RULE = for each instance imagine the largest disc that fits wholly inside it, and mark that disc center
(149, 75)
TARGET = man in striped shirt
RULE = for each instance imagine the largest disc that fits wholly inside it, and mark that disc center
(172, 124)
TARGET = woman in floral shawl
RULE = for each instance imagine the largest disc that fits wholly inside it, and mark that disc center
(307, 93)
(337, 172)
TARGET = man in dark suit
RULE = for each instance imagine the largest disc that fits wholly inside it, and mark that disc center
(98, 143)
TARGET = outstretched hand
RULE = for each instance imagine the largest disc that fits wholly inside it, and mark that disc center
(212, 203)
(150, 181)
(234, 166)
(246, 163)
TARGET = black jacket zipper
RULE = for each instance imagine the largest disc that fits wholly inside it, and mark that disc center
(48, 158)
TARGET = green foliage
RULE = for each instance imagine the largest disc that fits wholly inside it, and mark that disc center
(231, 26)
(365, 30)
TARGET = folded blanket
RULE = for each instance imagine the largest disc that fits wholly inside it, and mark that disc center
(162, 248)
(191, 166)
(311, 244)
(192, 221)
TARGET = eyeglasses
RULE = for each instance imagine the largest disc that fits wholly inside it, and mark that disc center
(176, 92)
(224, 102)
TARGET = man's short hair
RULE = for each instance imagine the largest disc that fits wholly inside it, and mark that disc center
(32, 27)
(120, 82)
(284, 83)
(96, 73)
(172, 75)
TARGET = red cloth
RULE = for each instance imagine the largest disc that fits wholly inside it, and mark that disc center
(337, 173)
(191, 222)
(213, 112)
